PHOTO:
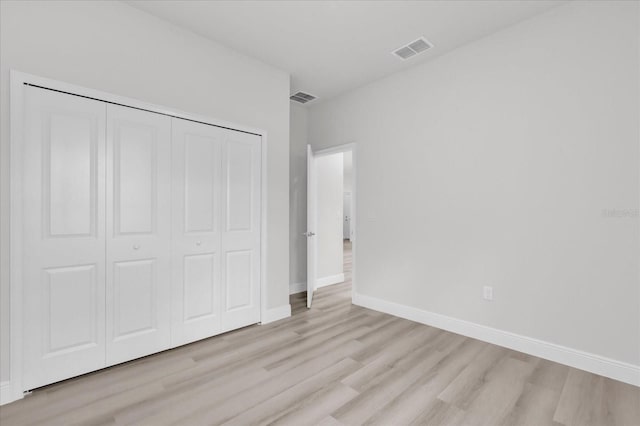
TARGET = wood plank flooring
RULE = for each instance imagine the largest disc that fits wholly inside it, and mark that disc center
(335, 364)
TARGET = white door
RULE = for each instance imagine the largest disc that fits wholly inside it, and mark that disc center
(346, 229)
(64, 236)
(311, 225)
(240, 218)
(197, 187)
(138, 233)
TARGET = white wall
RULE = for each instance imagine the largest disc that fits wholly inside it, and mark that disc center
(329, 172)
(502, 156)
(348, 171)
(298, 197)
(112, 47)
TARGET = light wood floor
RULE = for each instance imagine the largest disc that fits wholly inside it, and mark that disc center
(334, 364)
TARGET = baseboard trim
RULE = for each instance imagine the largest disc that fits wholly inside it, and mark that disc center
(295, 288)
(331, 279)
(593, 363)
(276, 314)
(6, 394)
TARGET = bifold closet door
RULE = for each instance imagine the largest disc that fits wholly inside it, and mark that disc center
(138, 229)
(108, 274)
(63, 195)
(240, 243)
(216, 230)
(197, 187)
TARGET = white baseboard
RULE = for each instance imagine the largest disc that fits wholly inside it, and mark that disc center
(276, 314)
(6, 396)
(593, 363)
(331, 279)
(297, 287)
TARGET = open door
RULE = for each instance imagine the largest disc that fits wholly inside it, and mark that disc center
(311, 225)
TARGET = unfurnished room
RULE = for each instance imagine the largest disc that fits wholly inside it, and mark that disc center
(326, 213)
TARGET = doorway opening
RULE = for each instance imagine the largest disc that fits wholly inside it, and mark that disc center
(331, 224)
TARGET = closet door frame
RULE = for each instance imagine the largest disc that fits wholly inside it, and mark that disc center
(18, 82)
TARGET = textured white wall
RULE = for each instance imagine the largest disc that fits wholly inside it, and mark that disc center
(113, 47)
(329, 172)
(503, 157)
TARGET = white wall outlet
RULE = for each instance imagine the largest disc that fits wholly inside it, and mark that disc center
(487, 292)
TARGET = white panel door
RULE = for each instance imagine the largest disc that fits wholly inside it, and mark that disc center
(240, 249)
(346, 206)
(197, 186)
(64, 236)
(138, 233)
(312, 241)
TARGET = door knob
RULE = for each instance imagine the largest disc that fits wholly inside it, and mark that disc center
(136, 246)
(308, 234)
(198, 242)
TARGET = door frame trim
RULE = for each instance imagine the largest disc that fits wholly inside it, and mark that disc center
(335, 149)
(17, 82)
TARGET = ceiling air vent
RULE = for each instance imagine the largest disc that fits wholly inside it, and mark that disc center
(302, 97)
(413, 48)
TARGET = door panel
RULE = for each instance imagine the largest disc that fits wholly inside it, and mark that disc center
(238, 283)
(197, 206)
(138, 233)
(135, 178)
(64, 332)
(199, 293)
(134, 297)
(64, 233)
(239, 187)
(201, 182)
(70, 158)
(241, 237)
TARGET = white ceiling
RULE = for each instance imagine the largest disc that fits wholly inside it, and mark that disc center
(330, 47)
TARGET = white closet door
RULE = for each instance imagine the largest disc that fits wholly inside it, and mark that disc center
(64, 236)
(240, 261)
(197, 185)
(138, 233)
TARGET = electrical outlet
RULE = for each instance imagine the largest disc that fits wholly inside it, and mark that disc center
(487, 292)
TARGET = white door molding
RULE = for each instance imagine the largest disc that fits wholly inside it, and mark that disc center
(349, 147)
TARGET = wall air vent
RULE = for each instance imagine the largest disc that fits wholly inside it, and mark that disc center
(302, 97)
(412, 49)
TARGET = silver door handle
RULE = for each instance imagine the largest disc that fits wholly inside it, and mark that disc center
(136, 246)
(308, 234)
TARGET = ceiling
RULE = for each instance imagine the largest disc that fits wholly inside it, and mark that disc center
(330, 47)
